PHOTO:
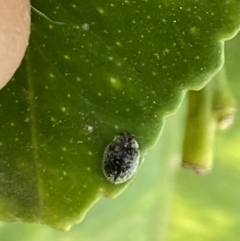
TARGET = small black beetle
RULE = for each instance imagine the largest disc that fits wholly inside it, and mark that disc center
(121, 158)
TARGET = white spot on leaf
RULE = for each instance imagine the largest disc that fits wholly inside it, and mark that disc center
(85, 26)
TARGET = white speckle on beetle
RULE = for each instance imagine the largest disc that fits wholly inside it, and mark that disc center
(63, 109)
(66, 57)
(90, 153)
(121, 158)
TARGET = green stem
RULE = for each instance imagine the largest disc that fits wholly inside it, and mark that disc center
(213, 105)
(224, 104)
(200, 130)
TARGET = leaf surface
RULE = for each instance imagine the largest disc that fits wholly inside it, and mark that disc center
(111, 67)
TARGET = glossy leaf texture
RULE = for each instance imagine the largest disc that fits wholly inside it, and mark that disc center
(112, 67)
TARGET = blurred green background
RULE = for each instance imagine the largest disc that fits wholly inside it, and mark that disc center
(165, 202)
(208, 207)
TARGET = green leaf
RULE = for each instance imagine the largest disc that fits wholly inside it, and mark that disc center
(110, 68)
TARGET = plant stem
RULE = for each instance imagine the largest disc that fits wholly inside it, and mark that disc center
(224, 104)
(200, 130)
(212, 106)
